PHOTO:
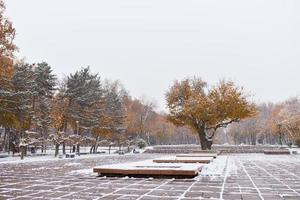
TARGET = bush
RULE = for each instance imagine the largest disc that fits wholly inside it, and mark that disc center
(141, 143)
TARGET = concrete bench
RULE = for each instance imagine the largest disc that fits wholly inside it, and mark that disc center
(150, 169)
(204, 160)
(214, 155)
(206, 151)
(277, 152)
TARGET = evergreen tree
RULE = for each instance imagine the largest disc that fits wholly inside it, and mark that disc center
(115, 112)
(24, 85)
(83, 92)
(45, 85)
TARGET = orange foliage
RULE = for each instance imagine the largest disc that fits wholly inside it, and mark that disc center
(7, 47)
(205, 110)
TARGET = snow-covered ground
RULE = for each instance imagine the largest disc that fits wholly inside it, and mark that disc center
(47, 158)
(233, 176)
(49, 155)
(216, 167)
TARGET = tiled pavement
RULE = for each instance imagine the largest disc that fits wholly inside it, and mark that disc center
(244, 176)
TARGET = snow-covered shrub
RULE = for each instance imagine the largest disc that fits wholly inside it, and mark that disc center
(141, 143)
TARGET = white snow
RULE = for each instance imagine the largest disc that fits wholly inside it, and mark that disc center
(294, 150)
(149, 164)
(82, 172)
(17, 159)
(72, 164)
(218, 166)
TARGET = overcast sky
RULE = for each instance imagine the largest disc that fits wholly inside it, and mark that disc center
(147, 44)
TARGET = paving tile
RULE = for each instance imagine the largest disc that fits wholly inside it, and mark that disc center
(254, 176)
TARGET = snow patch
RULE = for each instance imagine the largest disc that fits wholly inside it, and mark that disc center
(82, 172)
(72, 164)
(218, 166)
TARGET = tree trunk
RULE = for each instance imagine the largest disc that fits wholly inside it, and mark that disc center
(22, 152)
(5, 139)
(56, 149)
(25, 151)
(64, 148)
(78, 149)
(280, 139)
(253, 140)
(205, 144)
(96, 148)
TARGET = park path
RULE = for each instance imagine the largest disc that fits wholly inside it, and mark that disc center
(232, 177)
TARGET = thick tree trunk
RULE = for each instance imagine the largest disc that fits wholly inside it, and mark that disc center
(205, 144)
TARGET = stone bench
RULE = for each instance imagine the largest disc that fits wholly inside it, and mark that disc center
(150, 169)
(204, 160)
(277, 152)
(213, 155)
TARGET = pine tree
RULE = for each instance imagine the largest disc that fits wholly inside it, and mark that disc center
(20, 107)
(83, 92)
(115, 113)
(45, 85)
(24, 85)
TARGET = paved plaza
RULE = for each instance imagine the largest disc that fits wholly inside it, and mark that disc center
(238, 176)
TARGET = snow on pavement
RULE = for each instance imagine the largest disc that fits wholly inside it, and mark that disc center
(240, 176)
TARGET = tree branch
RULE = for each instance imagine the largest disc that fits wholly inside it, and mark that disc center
(223, 124)
(220, 125)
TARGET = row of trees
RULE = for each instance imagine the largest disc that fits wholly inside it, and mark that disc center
(38, 110)
(81, 109)
(274, 124)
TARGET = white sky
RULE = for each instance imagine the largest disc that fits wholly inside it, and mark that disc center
(147, 44)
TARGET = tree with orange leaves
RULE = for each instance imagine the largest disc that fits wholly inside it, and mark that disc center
(205, 110)
(7, 49)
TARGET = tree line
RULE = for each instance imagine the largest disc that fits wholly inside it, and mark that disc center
(37, 109)
(274, 124)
